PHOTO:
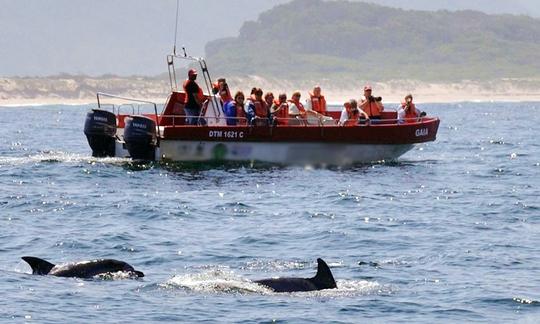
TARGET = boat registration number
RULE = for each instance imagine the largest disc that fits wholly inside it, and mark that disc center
(225, 134)
(422, 132)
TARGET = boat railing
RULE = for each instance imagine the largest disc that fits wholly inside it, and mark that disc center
(134, 103)
(179, 121)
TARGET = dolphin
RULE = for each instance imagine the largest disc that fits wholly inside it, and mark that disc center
(82, 269)
(322, 280)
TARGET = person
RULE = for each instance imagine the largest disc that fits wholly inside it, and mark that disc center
(234, 110)
(193, 101)
(280, 110)
(371, 105)
(351, 114)
(317, 102)
(407, 111)
(269, 99)
(257, 111)
(296, 109)
(223, 91)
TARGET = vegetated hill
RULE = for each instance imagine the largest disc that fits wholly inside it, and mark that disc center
(337, 39)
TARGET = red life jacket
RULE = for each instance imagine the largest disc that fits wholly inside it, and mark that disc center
(353, 115)
(241, 115)
(200, 95)
(260, 108)
(318, 104)
(300, 107)
(283, 114)
(410, 113)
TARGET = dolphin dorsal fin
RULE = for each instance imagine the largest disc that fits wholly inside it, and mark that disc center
(39, 266)
(324, 278)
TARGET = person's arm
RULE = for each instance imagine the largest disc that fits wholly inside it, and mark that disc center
(344, 117)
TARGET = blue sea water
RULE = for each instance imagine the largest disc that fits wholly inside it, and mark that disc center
(449, 233)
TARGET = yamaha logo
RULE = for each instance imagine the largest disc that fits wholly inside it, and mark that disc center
(139, 125)
(422, 132)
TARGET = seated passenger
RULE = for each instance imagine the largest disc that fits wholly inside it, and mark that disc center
(280, 110)
(257, 111)
(371, 105)
(269, 99)
(407, 112)
(296, 109)
(351, 114)
(223, 91)
(234, 110)
(317, 101)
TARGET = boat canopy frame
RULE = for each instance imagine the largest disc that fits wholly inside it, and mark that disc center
(205, 72)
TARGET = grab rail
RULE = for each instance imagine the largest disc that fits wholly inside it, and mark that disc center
(108, 95)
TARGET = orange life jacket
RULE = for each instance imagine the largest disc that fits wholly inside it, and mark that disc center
(372, 109)
(318, 104)
(200, 95)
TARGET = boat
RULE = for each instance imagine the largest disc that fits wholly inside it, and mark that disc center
(161, 134)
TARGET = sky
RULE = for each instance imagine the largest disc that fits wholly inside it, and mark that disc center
(133, 37)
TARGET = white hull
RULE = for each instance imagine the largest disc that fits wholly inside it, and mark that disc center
(282, 153)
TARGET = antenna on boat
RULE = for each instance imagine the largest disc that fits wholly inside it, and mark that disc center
(176, 27)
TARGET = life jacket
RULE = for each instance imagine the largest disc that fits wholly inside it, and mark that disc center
(283, 114)
(200, 95)
(372, 109)
(260, 108)
(318, 104)
(410, 113)
(354, 115)
(300, 107)
(240, 115)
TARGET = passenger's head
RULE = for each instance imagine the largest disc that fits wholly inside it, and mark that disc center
(367, 90)
(347, 105)
(353, 104)
(253, 90)
(317, 91)
(408, 98)
(296, 96)
(258, 94)
(269, 97)
(192, 74)
(239, 97)
(282, 98)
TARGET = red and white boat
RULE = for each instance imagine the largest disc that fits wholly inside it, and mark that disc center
(165, 136)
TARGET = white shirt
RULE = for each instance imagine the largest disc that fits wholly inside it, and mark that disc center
(293, 109)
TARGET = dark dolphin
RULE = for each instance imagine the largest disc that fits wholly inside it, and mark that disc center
(322, 280)
(83, 269)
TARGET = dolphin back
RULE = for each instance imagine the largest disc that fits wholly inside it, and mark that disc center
(39, 266)
(324, 278)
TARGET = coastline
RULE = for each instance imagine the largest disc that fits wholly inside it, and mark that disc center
(82, 90)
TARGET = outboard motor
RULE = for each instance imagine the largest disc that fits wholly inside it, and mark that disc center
(140, 137)
(100, 130)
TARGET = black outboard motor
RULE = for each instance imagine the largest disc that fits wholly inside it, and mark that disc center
(100, 130)
(140, 137)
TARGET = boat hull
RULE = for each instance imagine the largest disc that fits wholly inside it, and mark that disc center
(281, 153)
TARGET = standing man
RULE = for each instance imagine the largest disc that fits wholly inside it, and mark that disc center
(317, 102)
(371, 105)
(193, 101)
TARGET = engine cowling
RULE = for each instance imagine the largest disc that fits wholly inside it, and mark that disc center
(100, 131)
(140, 137)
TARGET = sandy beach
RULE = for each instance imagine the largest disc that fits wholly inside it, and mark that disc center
(82, 91)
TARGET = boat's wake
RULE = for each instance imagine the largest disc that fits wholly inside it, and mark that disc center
(59, 157)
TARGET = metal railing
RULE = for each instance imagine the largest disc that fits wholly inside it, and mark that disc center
(116, 108)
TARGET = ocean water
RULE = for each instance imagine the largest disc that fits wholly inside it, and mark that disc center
(449, 233)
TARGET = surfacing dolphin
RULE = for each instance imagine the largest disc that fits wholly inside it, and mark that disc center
(83, 269)
(322, 280)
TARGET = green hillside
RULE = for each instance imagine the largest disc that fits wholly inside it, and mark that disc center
(354, 40)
